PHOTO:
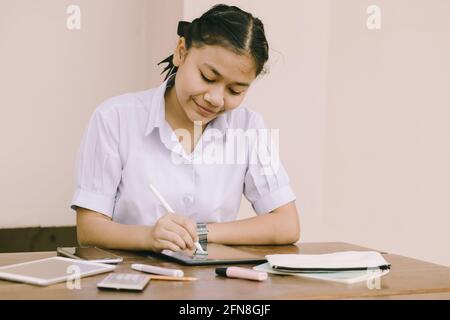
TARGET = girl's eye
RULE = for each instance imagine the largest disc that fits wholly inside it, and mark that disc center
(234, 93)
(206, 79)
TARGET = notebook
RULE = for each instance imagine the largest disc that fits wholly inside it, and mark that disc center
(338, 261)
(341, 276)
(347, 266)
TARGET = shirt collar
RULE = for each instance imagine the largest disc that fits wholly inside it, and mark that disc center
(156, 114)
(157, 118)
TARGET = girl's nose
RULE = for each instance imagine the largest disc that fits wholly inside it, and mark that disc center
(215, 99)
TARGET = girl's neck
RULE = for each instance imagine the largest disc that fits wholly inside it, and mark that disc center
(174, 113)
(177, 119)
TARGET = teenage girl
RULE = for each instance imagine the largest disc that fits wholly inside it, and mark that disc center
(160, 137)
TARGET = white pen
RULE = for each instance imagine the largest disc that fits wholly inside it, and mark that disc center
(157, 270)
(169, 209)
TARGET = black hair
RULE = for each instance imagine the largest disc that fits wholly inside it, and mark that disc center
(227, 26)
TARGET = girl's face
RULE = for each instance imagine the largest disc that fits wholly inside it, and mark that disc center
(211, 80)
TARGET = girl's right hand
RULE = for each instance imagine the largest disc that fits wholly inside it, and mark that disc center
(174, 232)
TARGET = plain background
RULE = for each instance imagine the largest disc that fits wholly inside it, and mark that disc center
(364, 115)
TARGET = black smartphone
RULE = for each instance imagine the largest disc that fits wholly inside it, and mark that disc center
(92, 254)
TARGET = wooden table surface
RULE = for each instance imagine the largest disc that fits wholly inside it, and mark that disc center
(408, 279)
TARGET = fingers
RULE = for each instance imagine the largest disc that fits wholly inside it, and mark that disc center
(177, 230)
(187, 224)
(164, 244)
(183, 233)
(172, 237)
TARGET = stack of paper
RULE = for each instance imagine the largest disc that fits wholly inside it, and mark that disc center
(347, 266)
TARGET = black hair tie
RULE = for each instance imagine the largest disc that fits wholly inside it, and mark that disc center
(183, 26)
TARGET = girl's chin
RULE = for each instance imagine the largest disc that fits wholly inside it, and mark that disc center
(194, 116)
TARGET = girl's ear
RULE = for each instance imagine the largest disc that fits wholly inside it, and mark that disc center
(180, 52)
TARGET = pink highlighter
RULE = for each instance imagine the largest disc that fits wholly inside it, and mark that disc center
(241, 273)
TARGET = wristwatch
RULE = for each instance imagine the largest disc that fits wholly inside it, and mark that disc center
(202, 232)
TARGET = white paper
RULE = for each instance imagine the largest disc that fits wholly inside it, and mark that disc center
(338, 260)
(341, 276)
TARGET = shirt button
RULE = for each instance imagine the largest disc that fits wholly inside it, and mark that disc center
(188, 199)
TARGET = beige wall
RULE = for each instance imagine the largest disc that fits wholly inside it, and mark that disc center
(364, 114)
(364, 118)
(386, 179)
(52, 79)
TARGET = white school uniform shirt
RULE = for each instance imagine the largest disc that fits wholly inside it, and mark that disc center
(128, 144)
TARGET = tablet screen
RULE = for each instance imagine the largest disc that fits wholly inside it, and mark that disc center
(217, 254)
(48, 269)
(51, 270)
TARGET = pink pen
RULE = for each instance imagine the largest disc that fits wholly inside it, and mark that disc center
(242, 273)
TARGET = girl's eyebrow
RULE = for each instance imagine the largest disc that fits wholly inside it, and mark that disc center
(217, 73)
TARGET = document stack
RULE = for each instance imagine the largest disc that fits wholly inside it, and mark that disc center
(346, 266)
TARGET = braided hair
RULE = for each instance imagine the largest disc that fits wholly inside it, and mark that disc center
(227, 26)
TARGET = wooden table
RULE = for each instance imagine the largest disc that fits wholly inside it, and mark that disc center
(408, 279)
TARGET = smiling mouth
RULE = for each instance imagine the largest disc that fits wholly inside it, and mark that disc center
(204, 110)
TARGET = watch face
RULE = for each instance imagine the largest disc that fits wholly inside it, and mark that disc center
(201, 228)
(202, 232)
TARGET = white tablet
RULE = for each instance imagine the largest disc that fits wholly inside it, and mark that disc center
(48, 271)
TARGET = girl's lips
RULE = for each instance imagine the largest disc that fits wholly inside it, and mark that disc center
(204, 111)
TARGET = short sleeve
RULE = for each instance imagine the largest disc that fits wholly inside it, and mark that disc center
(98, 164)
(266, 183)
